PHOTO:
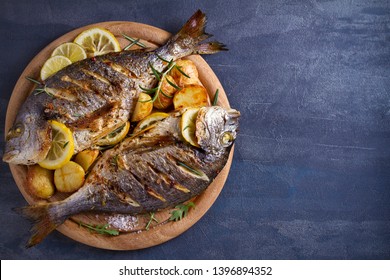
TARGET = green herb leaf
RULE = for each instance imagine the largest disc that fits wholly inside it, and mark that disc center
(151, 219)
(41, 88)
(196, 172)
(216, 97)
(66, 144)
(181, 71)
(155, 72)
(160, 77)
(163, 59)
(116, 131)
(101, 229)
(34, 81)
(181, 211)
(133, 42)
(172, 84)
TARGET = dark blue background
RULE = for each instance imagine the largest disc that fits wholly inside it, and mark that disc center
(310, 177)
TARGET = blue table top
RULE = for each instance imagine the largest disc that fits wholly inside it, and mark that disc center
(310, 177)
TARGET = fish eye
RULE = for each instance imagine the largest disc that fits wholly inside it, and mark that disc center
(16, 131)
(19, 128)
(226, 139)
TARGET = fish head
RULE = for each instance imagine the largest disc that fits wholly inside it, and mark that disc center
(216, 129)
(28, 141)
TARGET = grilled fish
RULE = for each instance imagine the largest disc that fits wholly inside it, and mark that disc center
(97, 95)
(153, 170)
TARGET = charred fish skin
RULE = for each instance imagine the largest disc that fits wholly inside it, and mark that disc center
(97, 95)
(152, 171)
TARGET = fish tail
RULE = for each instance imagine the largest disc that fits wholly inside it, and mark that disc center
(45, 219)
(191, 35)
(210, 48)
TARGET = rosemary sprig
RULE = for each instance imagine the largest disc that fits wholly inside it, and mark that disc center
(196, 172)
(163, 59)
(181, 211)
(154, 92)
(151, 219)
(34, 81)
(172, 84)
(215, 101)
(182, 72)
(116, 131)
(41, 88)
(155, 72)
(133, 42)
(65, 144)
(101, 229)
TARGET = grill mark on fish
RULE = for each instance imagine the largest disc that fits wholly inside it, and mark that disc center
(161, 185)
(80, 83)
(123, 195)
(119, 68)
(91, 121)
(96, 76)
(62, 93)
(141, 191)
(115, 78)
(153, 193)
(166, 180)
(182, 172)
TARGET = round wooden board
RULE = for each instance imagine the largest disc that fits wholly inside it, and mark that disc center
(158, 232)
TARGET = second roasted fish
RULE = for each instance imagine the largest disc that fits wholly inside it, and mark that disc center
(153, 170)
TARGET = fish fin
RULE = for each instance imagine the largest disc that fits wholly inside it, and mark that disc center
(44, 218)
(195, 27)
(191, 34)
(210, 48)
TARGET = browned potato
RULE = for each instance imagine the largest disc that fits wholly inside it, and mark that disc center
(69, 178)
(163, 101)
(86, 158)
(183, 81)
(189, 68)
(143, 107)
(40, 181)
(191, 96)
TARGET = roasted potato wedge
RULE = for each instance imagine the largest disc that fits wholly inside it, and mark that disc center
(183, 81)
(69, 178)
(185, 66)
(143, 108)
(165, 98)
(191, 96)
(86, 158)
(40, 181)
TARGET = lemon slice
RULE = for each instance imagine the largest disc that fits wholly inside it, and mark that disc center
(62, 147)
(53, 65)
(187, 126)
(97, 41)
(149, 120)
(70, 50)
(115, 137)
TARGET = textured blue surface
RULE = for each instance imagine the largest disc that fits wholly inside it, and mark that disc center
(310, 178)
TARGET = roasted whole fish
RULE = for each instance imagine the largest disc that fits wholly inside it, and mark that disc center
(97, 95)
(153, 170)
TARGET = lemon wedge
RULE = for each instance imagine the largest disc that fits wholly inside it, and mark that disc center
(62, 147)
(53, 65)
(149, 120)
(97, 41)
(70, 50)
(114, 137)
(188, 126)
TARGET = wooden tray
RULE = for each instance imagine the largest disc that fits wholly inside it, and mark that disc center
(136, 236)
